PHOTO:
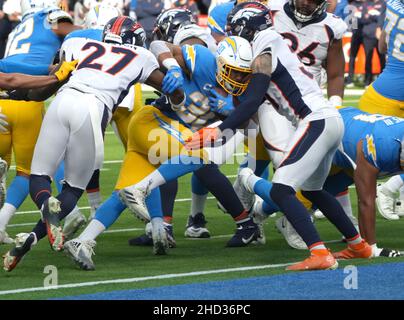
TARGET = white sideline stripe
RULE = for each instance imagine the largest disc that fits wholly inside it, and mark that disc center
(123, 230)
(141, 279)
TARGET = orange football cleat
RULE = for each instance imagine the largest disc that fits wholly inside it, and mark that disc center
(355, 251)
(320, 259)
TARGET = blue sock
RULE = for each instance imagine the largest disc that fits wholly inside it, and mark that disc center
(402, 176)
(178, 166)
(263, 188)
(59, 176)
(262, 169)
(197, 186)
(18, 191)
(153, 203)
(110, 210)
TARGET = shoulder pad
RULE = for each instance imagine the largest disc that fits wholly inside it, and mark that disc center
(57, 15)
(337, 25)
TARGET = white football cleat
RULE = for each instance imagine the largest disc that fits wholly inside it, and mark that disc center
(246, 196)
(135, 200)
(318, 214)
(81, 252)
(256, 211)
(73, 222)
(385, 204)
(399, 207)
(4, 238)
(3, 174)
(289, 233)
(159, 236)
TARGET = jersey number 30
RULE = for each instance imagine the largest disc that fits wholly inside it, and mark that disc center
(100, 50)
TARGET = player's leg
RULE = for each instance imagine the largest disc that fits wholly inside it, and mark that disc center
(6, 210)
(26, 120)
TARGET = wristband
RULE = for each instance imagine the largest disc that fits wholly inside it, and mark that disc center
(170, 63)
(177, 107)
(336, 101)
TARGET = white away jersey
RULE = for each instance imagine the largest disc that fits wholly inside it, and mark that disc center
(293, 91)
(311, 40)
(107, 70)
(194, 31)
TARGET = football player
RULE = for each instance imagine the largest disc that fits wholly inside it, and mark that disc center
(95, 21)
(199, 69)
(279, 76)
(74, 124)
(31, 47)
(371, 150)
(386, 96)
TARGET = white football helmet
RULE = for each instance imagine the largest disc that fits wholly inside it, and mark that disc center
(31, 6)
(99, 16)
(234, 57)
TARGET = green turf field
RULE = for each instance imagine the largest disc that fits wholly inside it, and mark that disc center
(116, 260)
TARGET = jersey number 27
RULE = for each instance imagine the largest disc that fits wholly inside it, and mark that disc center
(90, 61)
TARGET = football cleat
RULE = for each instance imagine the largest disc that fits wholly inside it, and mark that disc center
(135, 200)
(316, 262)
(73, 222)
(256, 213)
(355, 251)
(399, 207)
(23, 243)
(143, 240)
(389, 253)
(289, 233)
(3, 171)
(160, 238)
(246, 233)
(246, 196)
(318, 214)
(385, 204)
(196, 227)
(4, 238)
(81, 252)
(50, 215)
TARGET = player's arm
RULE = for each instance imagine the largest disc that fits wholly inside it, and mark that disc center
(382, 43)
(365, 177)
(42, 87)
(254, 95)
(177, 97)
(335, 72)
(11, 81)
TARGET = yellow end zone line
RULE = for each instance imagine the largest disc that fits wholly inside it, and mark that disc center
(142, 279)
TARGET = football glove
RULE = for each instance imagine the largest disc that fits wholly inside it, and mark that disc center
(65, 69)
(3, 123)
(162, 103)
(219, 104)
(172, 80)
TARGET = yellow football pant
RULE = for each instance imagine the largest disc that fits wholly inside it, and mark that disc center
(152, 139)
(25, 120)
(373, 102)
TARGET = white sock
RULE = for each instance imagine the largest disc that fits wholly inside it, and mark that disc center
(251, 181)
(94, 199)
(92, 231)
(157, 221)
(153, 180)
(345, 201)
(375, 250)
(393, 184)
(198, 203)
(6, 213)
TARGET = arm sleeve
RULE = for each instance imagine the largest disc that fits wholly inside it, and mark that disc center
(253, 98)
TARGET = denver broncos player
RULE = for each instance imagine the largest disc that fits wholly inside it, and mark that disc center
(33, 43)
(279, 76)
(73, 127)
(199, 70)
(386, 96)
(371, 149)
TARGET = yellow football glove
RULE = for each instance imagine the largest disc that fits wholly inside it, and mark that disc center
(65, 69)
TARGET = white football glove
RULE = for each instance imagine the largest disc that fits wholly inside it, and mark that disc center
(3, 123)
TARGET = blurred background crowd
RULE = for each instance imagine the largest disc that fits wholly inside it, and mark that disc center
(364, 18)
